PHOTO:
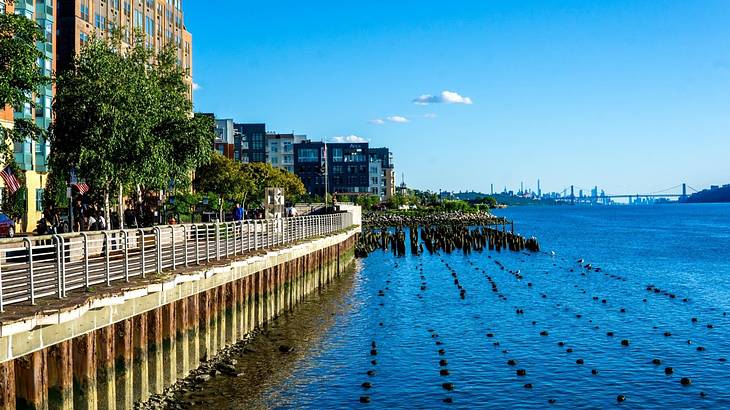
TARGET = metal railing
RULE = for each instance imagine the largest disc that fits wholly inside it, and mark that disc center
(52, 265)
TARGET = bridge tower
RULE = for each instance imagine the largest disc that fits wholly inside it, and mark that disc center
(572, 195)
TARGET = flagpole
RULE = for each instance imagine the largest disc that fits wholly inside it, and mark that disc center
(326, 177)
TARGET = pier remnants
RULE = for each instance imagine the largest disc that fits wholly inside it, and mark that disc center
(110, 349)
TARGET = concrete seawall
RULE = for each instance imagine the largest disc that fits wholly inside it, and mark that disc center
(110, 351)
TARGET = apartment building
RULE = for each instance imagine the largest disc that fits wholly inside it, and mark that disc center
(161, 22)
(225, 137)
(280, 149)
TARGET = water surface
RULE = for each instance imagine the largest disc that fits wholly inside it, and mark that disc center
(682, 250)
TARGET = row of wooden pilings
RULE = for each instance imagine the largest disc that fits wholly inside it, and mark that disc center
(443, 237)
(119, 365)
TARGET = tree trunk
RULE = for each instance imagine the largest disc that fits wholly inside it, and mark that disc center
(121, 207)
(106, 205)
(220, 217)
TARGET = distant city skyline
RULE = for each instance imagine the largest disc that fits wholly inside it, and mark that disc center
(630, 95)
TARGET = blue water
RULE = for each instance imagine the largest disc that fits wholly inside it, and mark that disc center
(682, 250)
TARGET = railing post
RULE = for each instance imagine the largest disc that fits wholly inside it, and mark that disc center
(285, 230)
(255, 235)
(217, 241)
(174, 259)
(236, 224)
(197, 244)
(125, 238)
(185, 244)
(30, 269)
(226, 224)
(85, 237)
(158, 246)
(207, 242)
(105, 248)
(59, 264)
(141, 238)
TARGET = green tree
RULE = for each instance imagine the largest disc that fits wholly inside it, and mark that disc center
(264, 176)
(489, 201)
(224, 177)
(20, 77)
(124, 122)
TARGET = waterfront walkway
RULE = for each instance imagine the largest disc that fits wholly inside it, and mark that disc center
(50, 266)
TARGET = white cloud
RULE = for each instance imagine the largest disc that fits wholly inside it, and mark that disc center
(446, 97)
(349, 138)
(397, 118)
(377, 121)
(430, 116)
(196, 87)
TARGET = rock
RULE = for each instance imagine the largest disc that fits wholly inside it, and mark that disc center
(286, 349)
(202, 378)
(226, 369)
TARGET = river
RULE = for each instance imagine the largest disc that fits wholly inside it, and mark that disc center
(572, 325)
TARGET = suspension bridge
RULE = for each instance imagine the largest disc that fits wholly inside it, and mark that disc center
(678, 192)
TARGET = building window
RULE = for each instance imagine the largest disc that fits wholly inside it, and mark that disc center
(138, 19)
(308, 155)
(83, 38)
(287, 159)
(337, 154)
(149, 26)
(257, 142)
(274, 160)
(84, 10)
(39, 200)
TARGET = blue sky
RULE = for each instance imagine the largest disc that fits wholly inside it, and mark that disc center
(632, 96)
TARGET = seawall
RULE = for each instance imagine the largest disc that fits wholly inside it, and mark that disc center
(111, 350)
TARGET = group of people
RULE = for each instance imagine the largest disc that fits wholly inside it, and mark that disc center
(88, 218)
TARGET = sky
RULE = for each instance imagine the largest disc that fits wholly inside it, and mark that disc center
(630, 95)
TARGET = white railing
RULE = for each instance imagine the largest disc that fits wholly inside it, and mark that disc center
(43, 266)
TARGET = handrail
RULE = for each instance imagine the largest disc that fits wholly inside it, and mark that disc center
(36, 267)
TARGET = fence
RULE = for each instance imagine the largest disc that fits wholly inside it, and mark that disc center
(44, 266)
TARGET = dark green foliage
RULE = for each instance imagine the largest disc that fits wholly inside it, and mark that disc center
(19, 73)
(122, 121)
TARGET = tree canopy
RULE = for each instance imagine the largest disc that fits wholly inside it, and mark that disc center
(245, 183)
(125, 119)
(20, 78)
(19, 73)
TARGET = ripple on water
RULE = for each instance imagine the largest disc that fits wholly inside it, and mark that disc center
(674, 248)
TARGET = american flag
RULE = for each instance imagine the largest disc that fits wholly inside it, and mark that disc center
(11, 181)
(82, 187)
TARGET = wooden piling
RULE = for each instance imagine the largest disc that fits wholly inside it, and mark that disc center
(140, 363)
(7, 385)
(123, 351)
(169, 343)
(193, 322)
(84, 372)
(154, 351)
(105, 368)
(31, 381)
(60, 376)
